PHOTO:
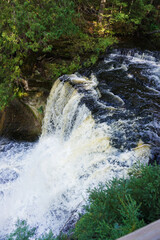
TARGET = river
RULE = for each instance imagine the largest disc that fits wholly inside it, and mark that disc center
(96, 126)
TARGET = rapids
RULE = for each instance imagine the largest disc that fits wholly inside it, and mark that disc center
(96, 126)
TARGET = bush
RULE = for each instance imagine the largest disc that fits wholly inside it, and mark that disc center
(24, 232)
(122, 205)
(29, 27)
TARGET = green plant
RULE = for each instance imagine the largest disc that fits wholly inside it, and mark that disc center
(144, 185)
(40, 110)
(28, 27)
(5, 94)
(121, 205)
(23, 231)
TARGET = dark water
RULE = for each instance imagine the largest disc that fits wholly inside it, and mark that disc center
(46, 182)
(129, 81)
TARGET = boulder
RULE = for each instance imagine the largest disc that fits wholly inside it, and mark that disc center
(18, 121)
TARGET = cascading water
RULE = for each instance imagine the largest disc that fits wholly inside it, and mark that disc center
(94, 129)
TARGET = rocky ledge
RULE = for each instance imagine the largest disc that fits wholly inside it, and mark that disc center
(22, 119)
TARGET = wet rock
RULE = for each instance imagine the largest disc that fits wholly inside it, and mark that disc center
(18, 121)
(154, 158)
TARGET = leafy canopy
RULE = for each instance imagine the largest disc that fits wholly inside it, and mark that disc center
(26, 27)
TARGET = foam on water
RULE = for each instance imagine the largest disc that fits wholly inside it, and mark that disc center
(75, 152)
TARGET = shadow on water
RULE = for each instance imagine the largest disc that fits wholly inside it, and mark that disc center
(129, 81)
(93, 130)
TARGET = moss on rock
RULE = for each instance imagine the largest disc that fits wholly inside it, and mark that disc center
(17, 121)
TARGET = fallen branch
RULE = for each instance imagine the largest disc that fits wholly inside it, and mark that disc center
(70, 217)
(155, 31)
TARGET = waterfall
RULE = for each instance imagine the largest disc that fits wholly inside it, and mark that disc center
(78, 150)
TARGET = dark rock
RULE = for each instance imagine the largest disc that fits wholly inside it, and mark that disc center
(19, 122)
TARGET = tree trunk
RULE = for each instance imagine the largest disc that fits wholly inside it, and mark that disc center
(130, 7)
(101, 11)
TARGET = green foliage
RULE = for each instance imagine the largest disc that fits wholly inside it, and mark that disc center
(47, 236)
(122, 205)
(5, 93)
(144, 186)
(23, 232)
(99, 223)
(34, 25)
(40, 110)
(125, 17)
(97, 47)
(130, 213)
(56, 70)
(31, 29)
(27, 27)
(85, 52)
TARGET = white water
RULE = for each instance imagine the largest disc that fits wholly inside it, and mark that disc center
(73, 154)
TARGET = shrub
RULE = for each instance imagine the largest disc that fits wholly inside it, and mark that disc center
(28, 27)
(121, 205)
(23, 231)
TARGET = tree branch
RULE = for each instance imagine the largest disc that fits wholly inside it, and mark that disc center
(156, 31)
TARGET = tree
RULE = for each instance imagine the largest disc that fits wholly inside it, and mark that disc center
(28, 27)
(101, 10)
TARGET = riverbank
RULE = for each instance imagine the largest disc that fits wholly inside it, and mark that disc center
(40, 72)
(38, 75)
